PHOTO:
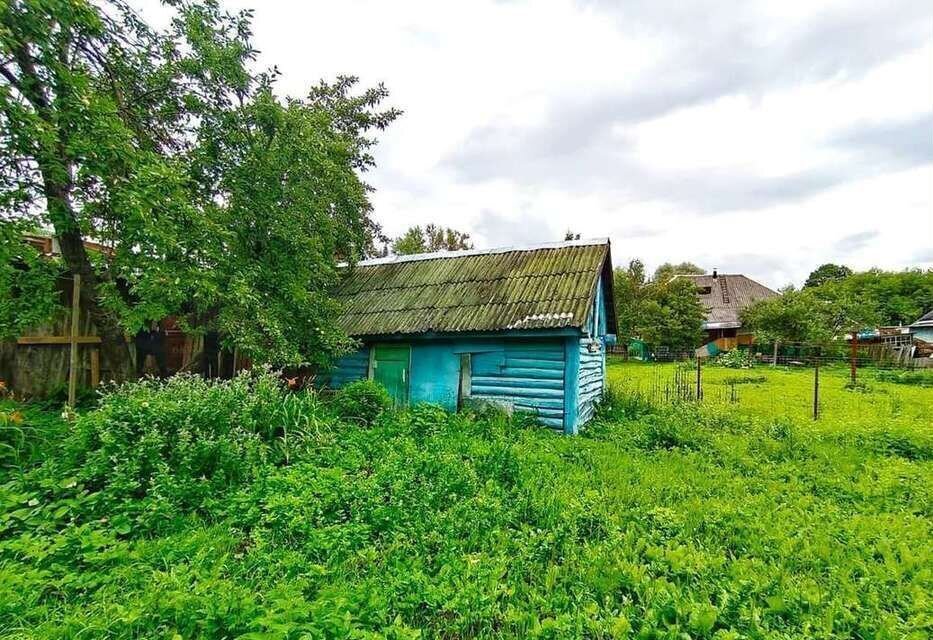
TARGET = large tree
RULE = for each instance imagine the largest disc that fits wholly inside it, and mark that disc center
(663, 312)
(218, 200)
(431, 238)
(630, 292)
(827, 273)
(669, 269)
(813, 315)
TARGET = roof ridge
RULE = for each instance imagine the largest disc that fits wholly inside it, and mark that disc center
(339, 294)
(464, 306)
(438, 255)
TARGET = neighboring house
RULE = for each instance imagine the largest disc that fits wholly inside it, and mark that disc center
(725, 296)
(521, 327)
(922, 329)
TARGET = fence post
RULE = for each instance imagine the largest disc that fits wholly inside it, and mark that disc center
(75, 317)
(853, 354)
(816, 387)
(699, 386)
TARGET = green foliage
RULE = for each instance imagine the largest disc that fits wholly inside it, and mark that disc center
(814, 315)
(898, 297)
(920, 377)
(28, 294)
(361, 402)
(429, 239)
(674, 316)
(828, 307)
(690, 522)
(745, 380)
(735, 359)
(827, 273)
(222, 202)
(663, 312)
(669, 269)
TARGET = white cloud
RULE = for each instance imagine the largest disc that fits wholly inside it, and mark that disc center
(751, 137)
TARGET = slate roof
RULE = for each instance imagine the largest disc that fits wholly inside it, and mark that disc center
(729, 295)
(548, 286)
(925, 321)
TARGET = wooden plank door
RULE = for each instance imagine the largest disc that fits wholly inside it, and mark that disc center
(392, 369)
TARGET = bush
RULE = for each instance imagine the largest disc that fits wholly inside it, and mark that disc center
(361, 402)
(155, 449)
(919, 378)
(735, 359)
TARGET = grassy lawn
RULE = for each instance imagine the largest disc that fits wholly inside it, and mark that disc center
(238, 510)
(768, 392)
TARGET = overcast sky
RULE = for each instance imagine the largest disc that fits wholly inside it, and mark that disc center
(763, 138)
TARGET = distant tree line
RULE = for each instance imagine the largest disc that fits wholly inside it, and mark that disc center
(835, 301)
(429, 239)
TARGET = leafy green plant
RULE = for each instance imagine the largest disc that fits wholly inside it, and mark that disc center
(693, 520)
(919, 377)
(735, 359)
(361, 402)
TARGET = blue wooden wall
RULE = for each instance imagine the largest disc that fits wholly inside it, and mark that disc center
(591, 375)
(529, 376)
(354, 366)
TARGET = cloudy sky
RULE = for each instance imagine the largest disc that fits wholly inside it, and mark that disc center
(763, 138)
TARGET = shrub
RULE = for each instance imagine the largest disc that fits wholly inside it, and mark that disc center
(735, 359)
(361, 402)
(920, 378)
(155, 449)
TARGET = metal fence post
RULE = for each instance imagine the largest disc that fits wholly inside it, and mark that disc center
(816, 388)
(699, 385)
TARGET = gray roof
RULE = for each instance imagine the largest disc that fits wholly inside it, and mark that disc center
(729, 294)
(548, 286)
(926, 320)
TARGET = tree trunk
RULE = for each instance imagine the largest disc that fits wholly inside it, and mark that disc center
(114, 349)
(774, 359)
(56, 165)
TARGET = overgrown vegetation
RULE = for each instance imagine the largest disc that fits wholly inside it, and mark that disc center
(210, 196)
(220, 510)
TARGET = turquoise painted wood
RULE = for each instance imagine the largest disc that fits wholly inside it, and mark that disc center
(559, 375)
(525, 375)
(351, 367)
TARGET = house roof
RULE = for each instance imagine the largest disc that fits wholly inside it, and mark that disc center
(728, 295)
(549, 286)
(926, 320)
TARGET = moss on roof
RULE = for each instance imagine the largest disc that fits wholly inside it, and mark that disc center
(546, 287)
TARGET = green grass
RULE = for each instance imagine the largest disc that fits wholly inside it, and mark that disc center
(767, 392)
(182, 512)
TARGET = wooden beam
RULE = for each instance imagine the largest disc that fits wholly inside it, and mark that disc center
(95, 368)
(58, 340)
(75, 318)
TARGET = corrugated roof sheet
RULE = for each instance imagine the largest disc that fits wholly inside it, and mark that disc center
(545, 287)
(926, 320)
(728, 295)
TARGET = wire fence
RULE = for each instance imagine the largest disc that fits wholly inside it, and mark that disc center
(876, 356)
(804, 380)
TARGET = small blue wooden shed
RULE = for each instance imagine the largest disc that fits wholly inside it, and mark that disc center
(523, 327)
